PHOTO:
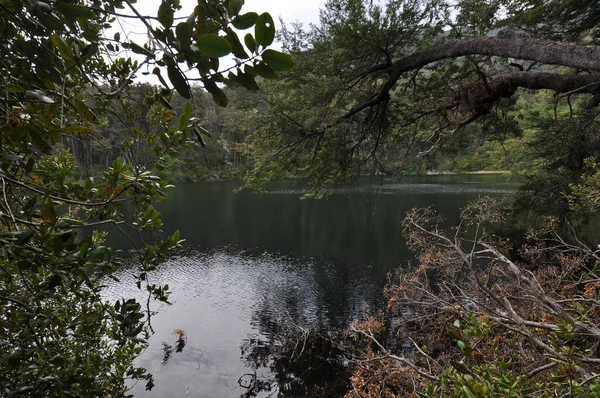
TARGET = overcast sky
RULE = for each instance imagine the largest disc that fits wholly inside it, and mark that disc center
(305, 11)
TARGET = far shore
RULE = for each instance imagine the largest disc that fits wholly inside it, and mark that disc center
(447, 172)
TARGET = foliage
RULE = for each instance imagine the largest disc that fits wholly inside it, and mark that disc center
(372, 94)
(480, 324)
(211, 153)
(584, 195)
(557, 149)
(559, 19)
(63, 81)
(299, 131)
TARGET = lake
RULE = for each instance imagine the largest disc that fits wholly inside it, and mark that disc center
(254, 265)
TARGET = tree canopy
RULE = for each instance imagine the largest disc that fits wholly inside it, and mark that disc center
(481, 312)
(372, 87)
(374, 78)
(66, 74)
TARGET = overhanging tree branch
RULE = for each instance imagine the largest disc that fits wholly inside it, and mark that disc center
(543, 51)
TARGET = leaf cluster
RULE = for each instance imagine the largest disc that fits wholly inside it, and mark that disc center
(62, 83)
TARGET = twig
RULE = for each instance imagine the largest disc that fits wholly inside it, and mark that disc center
(8, 209)
(18, 302)
(424, 354)
(541, 369)
(113, 198)
(590, 379)
(387, 355)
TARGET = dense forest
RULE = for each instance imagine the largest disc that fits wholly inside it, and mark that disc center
(506, 303)
(504, 143)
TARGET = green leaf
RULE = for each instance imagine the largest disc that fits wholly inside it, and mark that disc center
(46, 8)
(88, 51)
(28, 168)
(48, 212)
(51, 21)
(231, 80)
(213, 63)
(78, 130)
(218, 95)
(165, 103)
(245, 21)
(235, 6)
(265, 71)
(213, 45)
(247, 81)
(191, 20)
(249, 69)
(454, 333)
(466, 392)
(140, 50)
(63, 48)
(277, 61)
(264, 30)
(178, 81)
(460, 367)
(211, 27)
(13, 88)
(24, 237)
(72, 221)
(73, 11)
(185, 116)
(204, 131)
(236, 45)
(250, 42)
(156, 71)
(84, 112)
(199, 136)
(184, 34)
(165, 14)
(468, 352)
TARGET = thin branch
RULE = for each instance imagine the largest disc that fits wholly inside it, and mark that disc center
(113, 198)
(18, 302)
(424, 354)
(541, 369)
(387, 355)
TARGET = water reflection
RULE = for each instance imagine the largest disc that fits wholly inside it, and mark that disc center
(223, 298)
(301, 363)
(258, 271)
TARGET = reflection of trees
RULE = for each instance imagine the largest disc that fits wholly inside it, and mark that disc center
(302, 363)
(299, 361)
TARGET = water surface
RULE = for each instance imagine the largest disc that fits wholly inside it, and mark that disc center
(253, 264)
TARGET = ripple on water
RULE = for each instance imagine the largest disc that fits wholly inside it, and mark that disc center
(220, 298)
(229, 295)
(507, 189)
(475, 187)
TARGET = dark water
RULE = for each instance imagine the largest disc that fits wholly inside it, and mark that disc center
(256, 263)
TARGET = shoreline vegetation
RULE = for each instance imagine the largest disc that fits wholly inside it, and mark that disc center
(216, 178)
(506, 303)
(449, 172)
(234, 140)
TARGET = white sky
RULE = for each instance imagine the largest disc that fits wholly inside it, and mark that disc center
(304, 11)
